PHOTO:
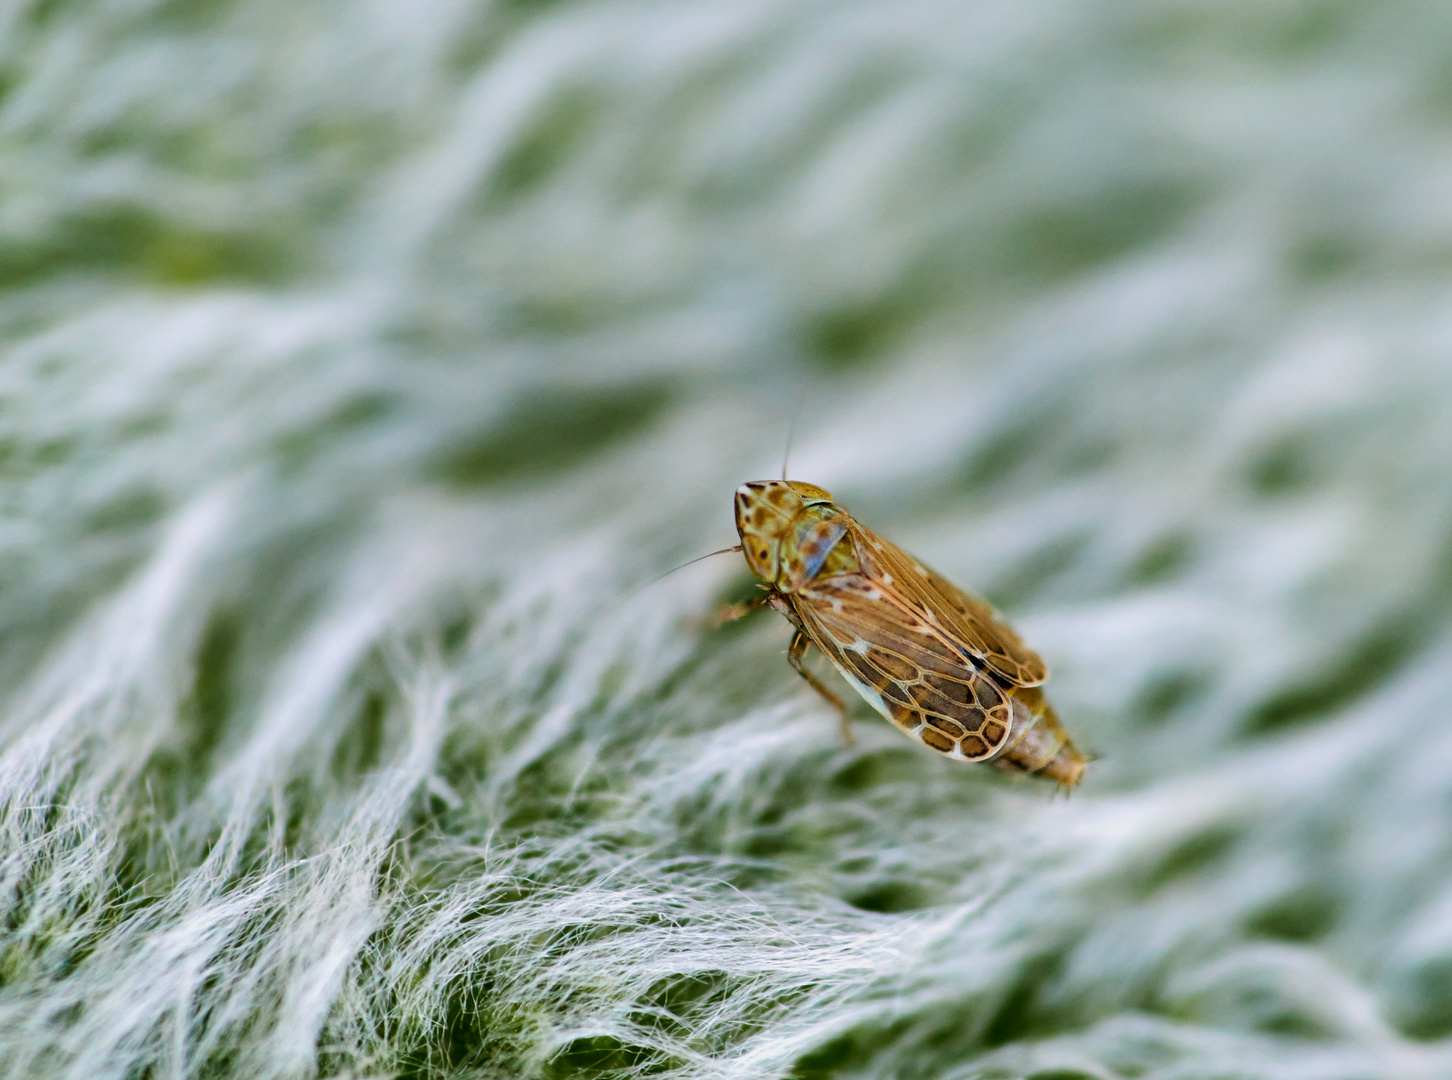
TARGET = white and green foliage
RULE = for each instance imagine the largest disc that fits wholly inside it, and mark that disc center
(361, 361)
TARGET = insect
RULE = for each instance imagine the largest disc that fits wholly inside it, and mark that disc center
(935, 661)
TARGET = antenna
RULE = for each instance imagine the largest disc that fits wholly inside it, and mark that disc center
(672, 570)
(792, 429)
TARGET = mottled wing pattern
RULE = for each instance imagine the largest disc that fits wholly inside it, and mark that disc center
(965, 618)
(907, 668)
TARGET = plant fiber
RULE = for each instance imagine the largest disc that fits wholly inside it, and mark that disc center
(364, 364)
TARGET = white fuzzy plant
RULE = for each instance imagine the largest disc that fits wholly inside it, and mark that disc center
(361, 364)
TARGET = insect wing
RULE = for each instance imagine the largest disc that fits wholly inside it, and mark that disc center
(906, 667)
(965, 618)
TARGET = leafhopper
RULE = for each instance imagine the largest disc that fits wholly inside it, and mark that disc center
(935, 661)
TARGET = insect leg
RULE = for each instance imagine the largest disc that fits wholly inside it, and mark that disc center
(800, 644)
(732, 612)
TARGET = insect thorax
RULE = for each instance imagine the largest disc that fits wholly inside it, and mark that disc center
(792, 533)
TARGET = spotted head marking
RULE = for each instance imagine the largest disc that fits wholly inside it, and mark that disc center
(788, 529)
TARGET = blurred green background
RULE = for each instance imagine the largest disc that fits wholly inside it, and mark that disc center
(361, 361)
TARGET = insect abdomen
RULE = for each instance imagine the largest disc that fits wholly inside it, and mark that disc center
(1038, 743)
